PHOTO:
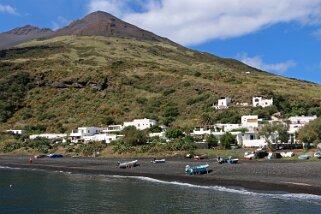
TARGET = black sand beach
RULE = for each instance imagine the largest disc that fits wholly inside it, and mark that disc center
(262, 175)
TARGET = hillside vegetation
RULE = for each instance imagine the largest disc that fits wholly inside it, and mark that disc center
(71, 81)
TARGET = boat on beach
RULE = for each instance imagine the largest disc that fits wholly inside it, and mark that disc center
(127, 164)
(232, 161)
(200, 157)
(158, 160)
(304, 157)
(317, 154)
(199, 169)
(229, 160)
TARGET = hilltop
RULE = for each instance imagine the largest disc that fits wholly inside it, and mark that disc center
(97, 71)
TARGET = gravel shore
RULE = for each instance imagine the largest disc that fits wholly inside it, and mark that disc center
(262, 175)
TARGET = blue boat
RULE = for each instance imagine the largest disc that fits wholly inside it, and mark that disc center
(200, 169)
(317, 154)
(232, 161)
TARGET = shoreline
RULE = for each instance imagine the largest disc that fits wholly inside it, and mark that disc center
(289, 177)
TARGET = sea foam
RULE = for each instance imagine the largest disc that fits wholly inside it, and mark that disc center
(283, 196)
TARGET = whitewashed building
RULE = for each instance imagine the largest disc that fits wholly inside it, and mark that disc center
(141, 124)
(252, 139)
(223, 103)
(48, 136)
(105, 138)
(16, 131)
(250, 122)
(298, 122)
(161, 135)
(77, 135)
(259, 101)
(112, 128)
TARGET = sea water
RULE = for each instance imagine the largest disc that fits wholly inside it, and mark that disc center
(35, 191)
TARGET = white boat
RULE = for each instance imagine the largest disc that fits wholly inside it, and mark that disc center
(158, 161)
(128, 164)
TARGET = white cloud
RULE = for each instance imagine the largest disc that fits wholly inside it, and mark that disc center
(191, 22)
(60, 22)
(8, 9)
(257, 62)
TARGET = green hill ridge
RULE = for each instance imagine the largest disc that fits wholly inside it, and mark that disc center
(69, 81)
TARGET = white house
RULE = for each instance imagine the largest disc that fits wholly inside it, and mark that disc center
(227, 127)
(16, 131)
(250, 121)
(161, 135)
(259, 101)
(112, 128)
(298, 122)
(106, 138)
(48, 136)
(251, 139)
(223, 103)
(201, 131)
(77, 135)
(141, 124)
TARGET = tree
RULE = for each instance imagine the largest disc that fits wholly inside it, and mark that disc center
(173, 133)
(109, 121)
(171, 111)
(227, 140)
(274, 133)
(311, 132)
(155, 129)
(92, 148)
(134, 137)
(212, 141)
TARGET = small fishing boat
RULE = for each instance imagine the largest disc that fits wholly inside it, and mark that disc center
(317, 154)
(221, 160)
(199, 157)
(199, 169)
(232, 161)
(127, 164)
(55, 156)
(158, 161)
(304, 157)
(249, 156)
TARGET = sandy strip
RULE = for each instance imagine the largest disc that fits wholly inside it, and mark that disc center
(287, 176)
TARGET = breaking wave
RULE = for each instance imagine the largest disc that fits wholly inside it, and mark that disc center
(284, 196)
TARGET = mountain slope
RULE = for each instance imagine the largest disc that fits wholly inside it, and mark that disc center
(104, 24)
(22, 34)
(76, 80)
(95, 24)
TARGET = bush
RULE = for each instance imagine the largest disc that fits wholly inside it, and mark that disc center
(212, 141)
(168, 91)
(92, 148)
(227, 140)
(171, 111)
(155, 129)
(134, 137)
(42, 145)
(173, 133)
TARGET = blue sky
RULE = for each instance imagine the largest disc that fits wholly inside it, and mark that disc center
(279, 36)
